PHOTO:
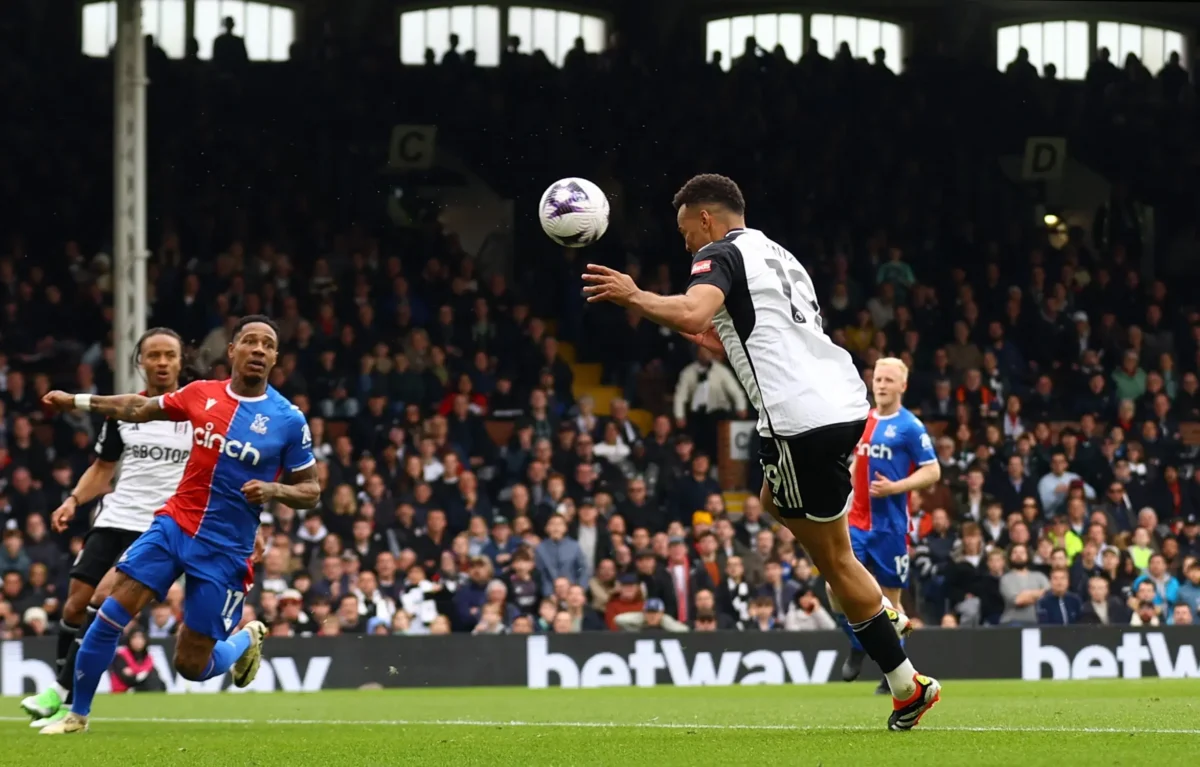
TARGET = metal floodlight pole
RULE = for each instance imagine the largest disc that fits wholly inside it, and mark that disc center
(129, 193)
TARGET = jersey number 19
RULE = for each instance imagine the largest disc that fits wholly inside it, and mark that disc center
(803, 297)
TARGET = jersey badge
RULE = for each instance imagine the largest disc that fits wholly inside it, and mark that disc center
(260, 424)
(700, 267)
(890, 432)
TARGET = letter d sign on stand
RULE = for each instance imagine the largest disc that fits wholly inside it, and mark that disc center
(1045, 158)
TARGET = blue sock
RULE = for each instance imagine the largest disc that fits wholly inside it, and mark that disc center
(96, 653)
(848, 630)
(226, 653)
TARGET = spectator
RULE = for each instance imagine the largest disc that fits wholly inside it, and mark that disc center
(1101, 608)
(1021, 588)
(653, 617)
(1059, 606)
(806, 613)
(559, 556)
(1166, 587)
(133, 669)
(1053, 488)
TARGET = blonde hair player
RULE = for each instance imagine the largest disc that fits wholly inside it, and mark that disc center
(894, 457)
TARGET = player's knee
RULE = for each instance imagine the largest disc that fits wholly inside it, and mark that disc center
(75, 608)
(191, 666)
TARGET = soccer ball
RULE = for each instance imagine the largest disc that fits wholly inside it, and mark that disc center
(574, 212)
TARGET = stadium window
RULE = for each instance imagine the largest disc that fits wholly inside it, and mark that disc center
(554, 32)
(863, 36)
(1152, 45)
(477, 27)
(728, 36)
(1061, 43)
(165, 19)
(268, 29)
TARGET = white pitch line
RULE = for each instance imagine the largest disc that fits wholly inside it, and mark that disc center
(633, 725)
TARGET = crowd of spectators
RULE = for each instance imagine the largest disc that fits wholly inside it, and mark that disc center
(1059, 385)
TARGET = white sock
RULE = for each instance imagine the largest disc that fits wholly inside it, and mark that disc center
(62, 691)
(900, 679)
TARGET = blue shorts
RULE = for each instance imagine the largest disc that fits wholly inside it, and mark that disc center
(885, 555)
(216, 581)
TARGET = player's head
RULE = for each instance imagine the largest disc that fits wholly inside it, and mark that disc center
(254, 348)
(159, 354)
(707, 207)
(889, 382)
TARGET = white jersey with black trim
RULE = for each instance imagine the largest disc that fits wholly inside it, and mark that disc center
(770, 325)
(152, 457)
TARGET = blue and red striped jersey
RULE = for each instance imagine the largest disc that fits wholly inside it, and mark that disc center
(894, 446)
(236, 439)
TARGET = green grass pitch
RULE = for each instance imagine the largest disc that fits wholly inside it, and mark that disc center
(977, 723)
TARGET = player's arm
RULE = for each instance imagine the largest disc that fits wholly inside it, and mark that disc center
(93, 483)
(132, 408)
(919, 449)
(690, 313)
(300, 489)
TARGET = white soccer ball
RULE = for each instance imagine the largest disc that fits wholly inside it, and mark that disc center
(574, 212)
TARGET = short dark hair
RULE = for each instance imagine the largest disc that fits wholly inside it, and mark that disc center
(250, 319)
(711, 188)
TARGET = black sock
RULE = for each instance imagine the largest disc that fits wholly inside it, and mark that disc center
(878, 637)
(66, 672)
(66, 638)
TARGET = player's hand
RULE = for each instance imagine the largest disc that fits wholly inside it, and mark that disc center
(708, 339)
(257, 491)
(604, 284)
(882, 487)
(63, 515)
(59, 400)
(260, 545)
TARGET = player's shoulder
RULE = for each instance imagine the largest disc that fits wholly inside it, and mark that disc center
(282, 406)
(911, 420)
(726, 247)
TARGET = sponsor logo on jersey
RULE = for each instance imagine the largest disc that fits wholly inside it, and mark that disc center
(700, 267)
(157, 453)
(209, 438)
(209, 404)
(875, 451)
(260, 424)
(1126, 661)
(666, 661)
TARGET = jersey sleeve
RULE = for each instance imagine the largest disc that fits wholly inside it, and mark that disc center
(715, 265)
(109, 444)
(181, 403)
(919, 444)
(297, 453)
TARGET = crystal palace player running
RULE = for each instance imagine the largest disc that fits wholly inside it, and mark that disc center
(894, 457)
(246, 436)
(751, 300)
(152, 457)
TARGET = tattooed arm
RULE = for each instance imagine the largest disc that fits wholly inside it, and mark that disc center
(133, 408)
(300, 489)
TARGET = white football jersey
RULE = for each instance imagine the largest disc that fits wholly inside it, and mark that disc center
(797, 378)
(152, 457)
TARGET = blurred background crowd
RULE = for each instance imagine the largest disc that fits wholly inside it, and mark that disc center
(497, 456)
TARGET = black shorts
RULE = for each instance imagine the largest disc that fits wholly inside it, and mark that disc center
(103, 547)
(808, 476)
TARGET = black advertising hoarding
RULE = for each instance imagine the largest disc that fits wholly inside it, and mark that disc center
(648, 660)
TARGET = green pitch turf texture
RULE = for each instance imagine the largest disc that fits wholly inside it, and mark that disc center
(1143, 722)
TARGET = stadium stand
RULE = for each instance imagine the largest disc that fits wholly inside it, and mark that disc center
(496, 453)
